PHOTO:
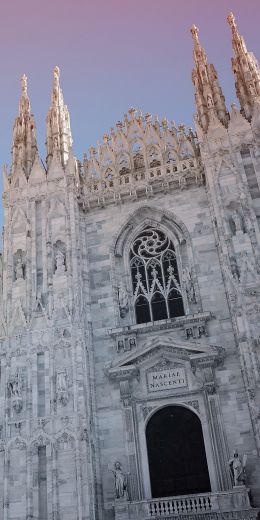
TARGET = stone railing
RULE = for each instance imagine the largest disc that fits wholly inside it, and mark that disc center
(138, 183)
(202, 506)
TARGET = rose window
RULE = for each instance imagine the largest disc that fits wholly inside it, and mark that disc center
(155, 279)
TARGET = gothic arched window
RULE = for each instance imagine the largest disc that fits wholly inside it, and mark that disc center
(155, 278)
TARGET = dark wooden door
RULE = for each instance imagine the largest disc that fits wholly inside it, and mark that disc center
(176, 453)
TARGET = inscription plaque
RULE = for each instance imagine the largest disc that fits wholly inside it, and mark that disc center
(166, 379)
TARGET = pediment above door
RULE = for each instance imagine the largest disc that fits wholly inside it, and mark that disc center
(198, 355)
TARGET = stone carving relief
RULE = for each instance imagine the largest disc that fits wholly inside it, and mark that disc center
(62, 387)
(194, 404)
(126, 344)
(120, 481)
(237, 468)
(134, 155)
(147, 410)
(196, 332)
(122, 300)
(15, 391)
(65, 441)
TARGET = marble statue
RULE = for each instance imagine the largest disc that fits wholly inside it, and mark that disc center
(188, 285)
(237, 468)
(62, 386)
(15, 390)
(19, 269)
(15, 386)
(236, 219)
(120, 481)
(60, 262)
(122, 300)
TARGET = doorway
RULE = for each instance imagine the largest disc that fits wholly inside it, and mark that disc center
(176, 453)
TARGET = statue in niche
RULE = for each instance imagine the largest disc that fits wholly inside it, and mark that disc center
(210, 101)
(60, 262)
(55, 143)
(122, 300)
(14, 386)
(234, 269)
(188, 285)
(237, 468)
(15, 390)
(251, 89)
(236, 219)
(62, 386)
(138, 161)
(120, 481)
(19, 269)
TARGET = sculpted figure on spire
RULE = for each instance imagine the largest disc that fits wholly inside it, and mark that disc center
(246, 70)
(208, 94)
(24, 147)
(58, 134)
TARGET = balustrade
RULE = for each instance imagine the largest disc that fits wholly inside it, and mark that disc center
(168, 506)
(233, 504)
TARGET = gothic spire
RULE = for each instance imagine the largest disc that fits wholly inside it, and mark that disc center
(208, 94)
(246, 70)
(58, 134)
(24, 147)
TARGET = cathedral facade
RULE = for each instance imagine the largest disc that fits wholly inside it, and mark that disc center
(129, 322)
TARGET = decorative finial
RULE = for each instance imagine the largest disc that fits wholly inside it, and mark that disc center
(132, 112)
(24, 84)
(56, 76)
(56, 72)
(232, 22)
(195, 33)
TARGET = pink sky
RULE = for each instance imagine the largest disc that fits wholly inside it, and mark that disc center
(113, 54)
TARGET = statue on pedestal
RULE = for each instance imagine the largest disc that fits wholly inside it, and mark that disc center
(120, 481)
(122, 300)
(188, 285)
(237, 468)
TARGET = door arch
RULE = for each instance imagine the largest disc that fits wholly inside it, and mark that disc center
(176, 453)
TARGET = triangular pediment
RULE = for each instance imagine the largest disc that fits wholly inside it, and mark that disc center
(37, 174)
(180, 350)
(238, 124)
(18, 321)
(55, 170)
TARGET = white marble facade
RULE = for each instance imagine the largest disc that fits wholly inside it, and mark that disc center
(80, 378)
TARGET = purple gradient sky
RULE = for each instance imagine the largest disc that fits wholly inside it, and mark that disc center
(113, 54)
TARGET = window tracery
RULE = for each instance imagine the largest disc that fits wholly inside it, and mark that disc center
(155, 278)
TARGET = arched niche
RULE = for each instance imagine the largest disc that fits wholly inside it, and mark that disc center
(176, 453)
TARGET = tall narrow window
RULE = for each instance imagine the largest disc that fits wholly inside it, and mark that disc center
(41, 384)
(155, 278)
(42, 483)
